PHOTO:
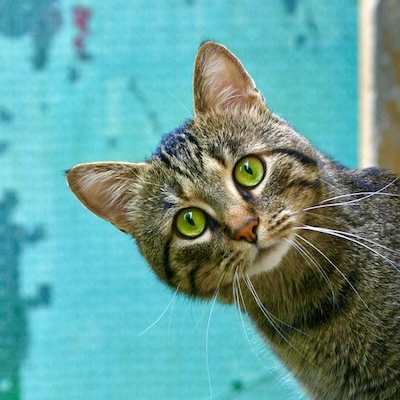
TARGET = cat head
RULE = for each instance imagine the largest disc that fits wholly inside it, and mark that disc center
(220, 196)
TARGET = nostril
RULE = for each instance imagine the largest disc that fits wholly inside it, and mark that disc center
(248, 231)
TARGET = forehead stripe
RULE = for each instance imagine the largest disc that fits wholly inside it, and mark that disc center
(166, 158)
(303, 158)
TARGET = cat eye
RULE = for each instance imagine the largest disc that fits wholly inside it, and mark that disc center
(249, 171)
(191, 222)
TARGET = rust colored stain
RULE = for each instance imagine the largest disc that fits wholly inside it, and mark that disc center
(81, 17)
(396, 65)
(389, 148)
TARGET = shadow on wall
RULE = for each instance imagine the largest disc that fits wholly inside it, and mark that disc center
(41, 20)
(14, 331)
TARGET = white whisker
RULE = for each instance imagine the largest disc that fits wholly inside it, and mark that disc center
(214, 300)
(341, 274)
(238, 291)
(270, 314)
(190, 114)
(365, 195)
(308, 257)
(203, 313)
(162, 314)
(207, 340)
(352, 238)
(367, 240)
(270, 317)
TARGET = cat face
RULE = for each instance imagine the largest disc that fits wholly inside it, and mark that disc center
(221, 195)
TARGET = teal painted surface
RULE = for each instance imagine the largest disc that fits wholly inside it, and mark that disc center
(108, 85)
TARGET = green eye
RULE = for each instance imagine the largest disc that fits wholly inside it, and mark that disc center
(191, 222)
(249, 171)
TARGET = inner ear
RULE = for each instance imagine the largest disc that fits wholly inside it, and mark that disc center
(107, 188)
(220, 81)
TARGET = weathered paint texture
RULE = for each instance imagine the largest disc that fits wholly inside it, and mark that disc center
(387, 81)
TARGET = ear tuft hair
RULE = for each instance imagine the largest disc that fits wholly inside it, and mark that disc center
(106, 189)
(220, 81)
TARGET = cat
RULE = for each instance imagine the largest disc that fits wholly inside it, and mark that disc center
(236, 205)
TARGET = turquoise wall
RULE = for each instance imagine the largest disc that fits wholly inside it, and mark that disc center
(90, 80)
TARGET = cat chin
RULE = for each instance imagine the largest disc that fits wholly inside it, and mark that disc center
(268, 258)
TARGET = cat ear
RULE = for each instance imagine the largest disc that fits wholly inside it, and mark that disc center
(106, 189)
(221, 82)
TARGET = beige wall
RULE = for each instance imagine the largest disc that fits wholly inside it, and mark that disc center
(380, 83)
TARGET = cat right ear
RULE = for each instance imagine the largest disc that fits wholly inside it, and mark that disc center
(220, 82)
(107, 188)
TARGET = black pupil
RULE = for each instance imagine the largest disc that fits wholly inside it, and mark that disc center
(189, 219)
(248, 169)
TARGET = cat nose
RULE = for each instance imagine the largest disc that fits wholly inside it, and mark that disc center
(248, 231)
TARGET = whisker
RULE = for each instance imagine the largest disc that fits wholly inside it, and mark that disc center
(206, 304)
(284, 335)
(162, 314)
(238, 291)
(365, 195)
(273, 316)
(341, 274)
(190, 114)
(325, 217)
(207, 339)
(319, 206)
(206, 273)
(306, 254)
(331, 184)
(203, 313)
(367, 240)
(353, 238)
(214, 297)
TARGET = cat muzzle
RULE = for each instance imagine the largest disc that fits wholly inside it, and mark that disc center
(248, 231)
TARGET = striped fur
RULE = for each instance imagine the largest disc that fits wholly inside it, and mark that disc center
(321, 280)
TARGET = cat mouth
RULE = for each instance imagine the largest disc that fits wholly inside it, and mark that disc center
(267, 250)
(268, 257)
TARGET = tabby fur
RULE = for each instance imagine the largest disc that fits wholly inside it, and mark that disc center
(321, 281)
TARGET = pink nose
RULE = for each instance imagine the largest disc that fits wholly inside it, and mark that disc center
(247, 231)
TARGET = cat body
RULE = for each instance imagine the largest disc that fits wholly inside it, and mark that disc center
(236, 205)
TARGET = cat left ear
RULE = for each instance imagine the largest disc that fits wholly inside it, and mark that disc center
(220, 82)
(106, 189)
